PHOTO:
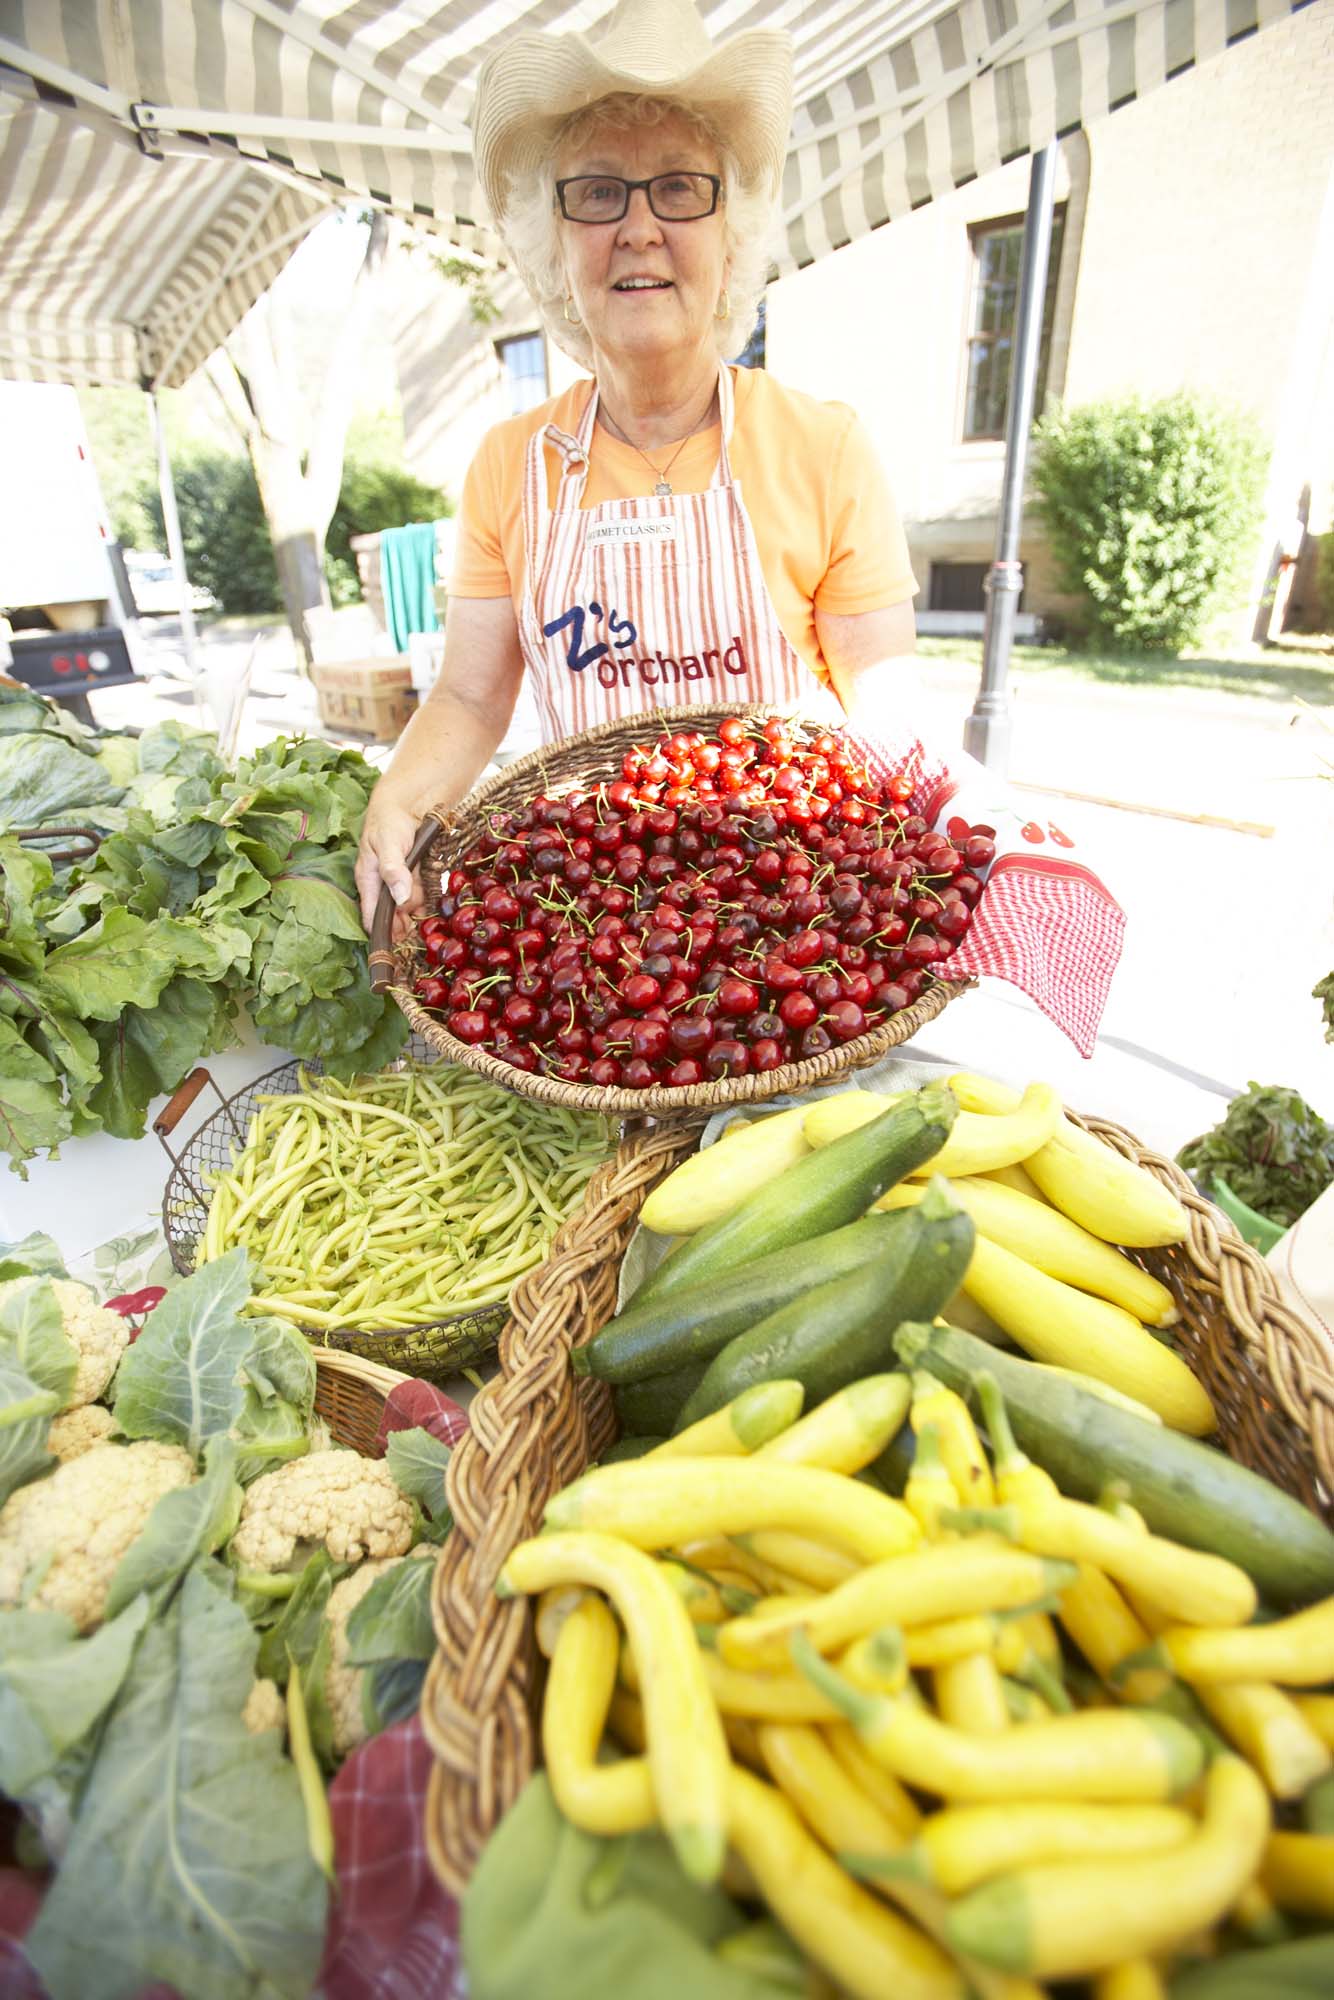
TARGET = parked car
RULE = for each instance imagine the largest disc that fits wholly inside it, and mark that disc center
(153, 581)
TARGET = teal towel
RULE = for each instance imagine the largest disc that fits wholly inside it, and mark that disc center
(407, 578)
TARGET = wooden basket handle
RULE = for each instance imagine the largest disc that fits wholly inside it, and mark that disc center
(382, 962)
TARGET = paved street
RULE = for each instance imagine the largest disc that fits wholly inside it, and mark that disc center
(1228, 930)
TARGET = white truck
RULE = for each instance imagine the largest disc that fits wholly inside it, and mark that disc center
(67, 615)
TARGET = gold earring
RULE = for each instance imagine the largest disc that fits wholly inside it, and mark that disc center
(572, 318)
(723, 309)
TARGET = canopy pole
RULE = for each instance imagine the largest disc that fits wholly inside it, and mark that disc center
(986, 733)
(175, 546)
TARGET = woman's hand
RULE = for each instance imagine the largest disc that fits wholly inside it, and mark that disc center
(386, 836)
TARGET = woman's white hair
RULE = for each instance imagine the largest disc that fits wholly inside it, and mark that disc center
(530, 225)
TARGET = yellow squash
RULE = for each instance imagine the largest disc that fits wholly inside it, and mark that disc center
(711, 1184)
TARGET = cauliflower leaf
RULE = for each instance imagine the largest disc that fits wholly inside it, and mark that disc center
(393, 1619)
(182, 1382)
(189, 1861)
(419, 1462)
(26, 1410)
(54, 1686)
(191, 1521)
(32, 1334)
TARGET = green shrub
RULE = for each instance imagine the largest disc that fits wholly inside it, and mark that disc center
(375, 494)
(226, 537)
(223, 529)
(1150, 508)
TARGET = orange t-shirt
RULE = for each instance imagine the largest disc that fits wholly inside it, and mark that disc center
(826, 528)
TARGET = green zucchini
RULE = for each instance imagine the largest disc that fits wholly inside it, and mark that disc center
(1318, 1805)
(834, 1185)
(692, 1325)
(1185, 1490)
(650, 1409)
(1302, 1970)
(629, 1446)
(841, 1330)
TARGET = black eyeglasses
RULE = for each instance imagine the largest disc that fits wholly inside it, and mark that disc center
(606, 197)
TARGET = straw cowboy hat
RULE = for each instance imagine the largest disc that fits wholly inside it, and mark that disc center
(655, 48)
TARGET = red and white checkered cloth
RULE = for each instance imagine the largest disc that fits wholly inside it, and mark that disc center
(1046, 923)
(393, 1931)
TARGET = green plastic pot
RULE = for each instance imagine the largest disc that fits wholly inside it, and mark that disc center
(1257, 1229)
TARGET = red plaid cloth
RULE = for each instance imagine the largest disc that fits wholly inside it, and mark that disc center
(1046, 923)
(393, 1932)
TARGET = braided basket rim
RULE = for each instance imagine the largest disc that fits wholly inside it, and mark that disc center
(536, 1425)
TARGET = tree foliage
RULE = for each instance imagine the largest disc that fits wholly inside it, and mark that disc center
(1151, 508)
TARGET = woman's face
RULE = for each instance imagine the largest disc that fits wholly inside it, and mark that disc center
(684, 260)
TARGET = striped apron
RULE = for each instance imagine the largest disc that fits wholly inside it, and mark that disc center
(641, 604)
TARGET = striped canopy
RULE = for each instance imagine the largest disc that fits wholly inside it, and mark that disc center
(159, 159)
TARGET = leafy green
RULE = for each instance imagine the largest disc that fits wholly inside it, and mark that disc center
(188, 1861)
(267, 1434)
(211, 893)
(1323, 990)
(1275, 1153)
(33, 1337)
(42, 778)
(393, 1619)
(182, 1380)
(54, 1686)
(188, 1522)
(32, 1254)
(390, 1692)
(297, 1628)
(280, 1365)
(419, 1462)
(26, 1410)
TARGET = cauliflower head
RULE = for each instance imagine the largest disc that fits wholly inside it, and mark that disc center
(264, 1708)
(342, 1683)
(99, 1337)
(75, 1526)
(76, 1431)
(353, 1505)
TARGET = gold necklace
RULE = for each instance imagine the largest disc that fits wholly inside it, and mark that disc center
(663, 489)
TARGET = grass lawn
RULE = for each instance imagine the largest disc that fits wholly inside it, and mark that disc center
(1287, 672)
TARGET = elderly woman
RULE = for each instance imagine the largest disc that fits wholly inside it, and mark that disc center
(675, 529)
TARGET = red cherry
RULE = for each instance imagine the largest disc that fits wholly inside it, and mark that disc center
(605, 1072)
(468, 1025)
(728, 1058)
(922, 949)
(638, 1074)
(432, 992)
(691, 1034)
(640, 990)
(815, 1041)
(686, 1072)
(979, 851)
(738, 998)
(798, 1010)
(650, 1039)
(804, 947)
(766, 1054)
(846, 1020)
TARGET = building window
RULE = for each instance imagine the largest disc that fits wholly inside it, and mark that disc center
(997, 254)
(524, 361)
(959, 586)
(752, 354)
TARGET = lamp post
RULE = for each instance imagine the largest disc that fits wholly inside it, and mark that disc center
(986, 733)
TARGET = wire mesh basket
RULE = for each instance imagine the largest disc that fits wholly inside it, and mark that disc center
(433, 1349)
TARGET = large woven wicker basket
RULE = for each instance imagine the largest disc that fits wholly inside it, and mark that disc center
(581, 762)
(536, 1426)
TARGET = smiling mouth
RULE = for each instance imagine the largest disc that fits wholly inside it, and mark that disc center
(642, 285)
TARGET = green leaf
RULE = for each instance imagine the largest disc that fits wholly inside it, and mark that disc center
(42, 778)
(266, 1435)
(1274, 1151)
(280, 1364)
(189, 1861)
(393, 1619)
(150, 1049)
(25, 876)
(188, 1522)
(390, 1692)
(55, 1685)
(33, 1337)
(298, 1626)
(320, 907)
(32, 1111)
(31, 1254)
(118, 963)
(26, 1410)
(176, 748)
(419, 1462)
(181, 1380)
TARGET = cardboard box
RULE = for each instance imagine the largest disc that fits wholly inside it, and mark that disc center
(367, 697)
